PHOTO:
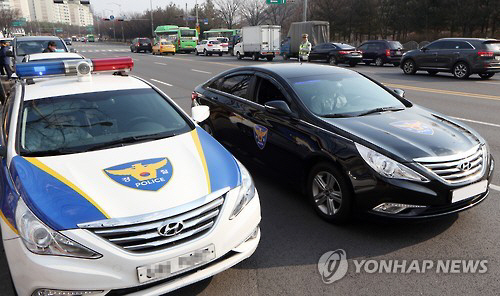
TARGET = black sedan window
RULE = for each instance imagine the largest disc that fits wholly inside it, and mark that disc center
(342, 95)
(236, 85)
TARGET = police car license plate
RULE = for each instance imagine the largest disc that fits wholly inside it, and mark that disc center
(469, 191)
(176, 265)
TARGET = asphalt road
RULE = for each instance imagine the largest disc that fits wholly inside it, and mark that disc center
(294, 238)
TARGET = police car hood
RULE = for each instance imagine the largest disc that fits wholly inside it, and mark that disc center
(137, 179)
(412, 133)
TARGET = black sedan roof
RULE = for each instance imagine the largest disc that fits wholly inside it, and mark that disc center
(291, 70)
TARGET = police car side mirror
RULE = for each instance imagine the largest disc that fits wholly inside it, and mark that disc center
(200, 113)
(9, 53)
(399, 92)
(278, 107)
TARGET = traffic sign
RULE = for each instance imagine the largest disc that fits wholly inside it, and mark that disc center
(205, 21)
(59, 30)
(276, 1)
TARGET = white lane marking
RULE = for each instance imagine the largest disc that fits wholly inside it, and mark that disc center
(110, 50)
(167, 84)
(487, 82)
(495, 187)
(160, 63)
(199, 71)
(478, 122)
(135, 60)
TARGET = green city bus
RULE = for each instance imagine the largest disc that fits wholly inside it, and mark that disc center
(90, 38)
(221, 33)
(184, 38)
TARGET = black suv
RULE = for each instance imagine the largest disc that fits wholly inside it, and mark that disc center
(141, 44)
(381, 52)
(460, 56)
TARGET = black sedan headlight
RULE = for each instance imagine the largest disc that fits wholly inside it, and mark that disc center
(388, 167)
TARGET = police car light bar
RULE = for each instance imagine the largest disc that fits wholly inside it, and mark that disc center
(69, 67)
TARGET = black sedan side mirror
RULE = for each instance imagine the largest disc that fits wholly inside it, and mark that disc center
(73, 50)
(9, 53)
(399, 92)
(278, 107)
(424, 49)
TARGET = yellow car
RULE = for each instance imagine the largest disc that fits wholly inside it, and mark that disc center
(164, 46)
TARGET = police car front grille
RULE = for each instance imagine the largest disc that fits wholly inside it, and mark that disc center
(145, 237)
(451, 172)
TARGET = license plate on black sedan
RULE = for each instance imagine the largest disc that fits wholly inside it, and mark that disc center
(175, 265)
(469, 191)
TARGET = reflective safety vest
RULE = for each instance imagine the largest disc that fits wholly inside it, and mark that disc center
(305, 48)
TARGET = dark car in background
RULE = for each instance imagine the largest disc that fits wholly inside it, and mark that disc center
(68, 41)
(381, 52)
(25, 45)
(460, 56)
(141, 44)
(347, 140)
(336, 53)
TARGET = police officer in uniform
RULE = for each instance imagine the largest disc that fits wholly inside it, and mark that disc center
(5, 60)
(304, 48)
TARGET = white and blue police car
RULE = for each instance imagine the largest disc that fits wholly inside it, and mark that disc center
(109, 188)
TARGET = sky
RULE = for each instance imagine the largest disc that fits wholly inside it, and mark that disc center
(128, 6)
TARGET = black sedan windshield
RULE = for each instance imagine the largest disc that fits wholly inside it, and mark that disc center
(343, 94)
(91, 121)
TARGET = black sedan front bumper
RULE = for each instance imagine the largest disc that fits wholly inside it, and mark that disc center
(376, 194)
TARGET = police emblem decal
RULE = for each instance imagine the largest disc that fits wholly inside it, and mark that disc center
(260, 135)
(148, 174)
(414, 126)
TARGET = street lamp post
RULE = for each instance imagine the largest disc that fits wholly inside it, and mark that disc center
(121, 13)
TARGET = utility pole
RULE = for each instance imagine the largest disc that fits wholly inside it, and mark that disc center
(152, 23)
(305, 10)
(187, 24)
(197, 20)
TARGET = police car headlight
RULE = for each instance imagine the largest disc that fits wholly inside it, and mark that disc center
(247, 190)
(42, 240)
(387, 167)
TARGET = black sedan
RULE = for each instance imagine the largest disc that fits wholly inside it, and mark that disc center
(350, 142)
(336, 53)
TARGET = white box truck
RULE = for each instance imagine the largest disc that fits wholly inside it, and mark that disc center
(259, 42)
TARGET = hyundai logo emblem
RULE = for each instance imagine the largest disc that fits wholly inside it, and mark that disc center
(465, 166)
(170, 228)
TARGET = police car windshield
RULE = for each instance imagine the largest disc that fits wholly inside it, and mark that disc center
(343, 95)
(36, 46)
(92, 121)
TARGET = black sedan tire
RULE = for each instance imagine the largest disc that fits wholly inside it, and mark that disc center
(332, 60)
(409, 67)
(486, 75)
(329, 193)
(461, 70)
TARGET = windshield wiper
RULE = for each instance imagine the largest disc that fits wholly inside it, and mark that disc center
(53, 152)
(130, 140)
(338, 115)
(382, 109)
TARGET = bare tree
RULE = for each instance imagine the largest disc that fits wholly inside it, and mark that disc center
(253, 12)
(6, 18)
(228, 10)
